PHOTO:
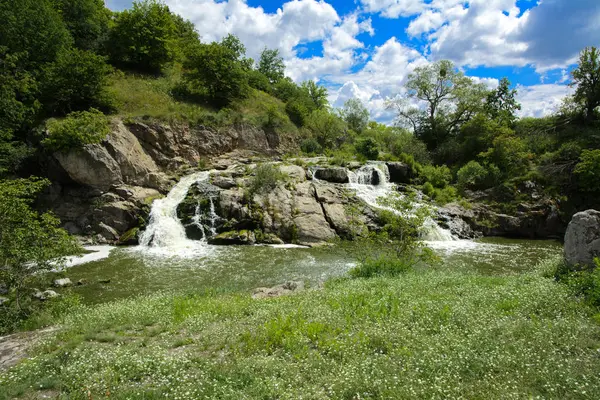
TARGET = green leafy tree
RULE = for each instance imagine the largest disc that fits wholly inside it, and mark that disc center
(509, 153)
(86, 20)
(77, 80)
(472, 176)
(77, 129)
(368, 148)
(186, 37)
(586, 78)
(286, 89)
(33, 31)
(258, 80)
(588, 171)
(451, 99)
(439, 177)
(356, 115)
(328, 129)
(216, 69)
(317, 94)
(271, 65)
(501, 104)
(299, 109)
(142, 37)
(29, 242)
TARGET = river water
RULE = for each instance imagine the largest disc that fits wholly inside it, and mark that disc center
(167, 261)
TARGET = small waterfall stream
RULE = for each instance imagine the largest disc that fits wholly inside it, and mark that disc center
(211, 217)
(165, 232)
(371, 183)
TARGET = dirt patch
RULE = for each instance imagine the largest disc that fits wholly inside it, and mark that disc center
(13, 348)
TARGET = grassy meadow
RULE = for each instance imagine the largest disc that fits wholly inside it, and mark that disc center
(425, 334)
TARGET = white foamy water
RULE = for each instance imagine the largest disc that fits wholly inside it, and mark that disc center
(96, 253)
(165, 234)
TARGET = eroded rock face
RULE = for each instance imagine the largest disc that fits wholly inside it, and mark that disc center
(399, 172)
(582, 240)
(91, 166)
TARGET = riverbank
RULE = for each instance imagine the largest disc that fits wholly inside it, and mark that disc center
(425, 334)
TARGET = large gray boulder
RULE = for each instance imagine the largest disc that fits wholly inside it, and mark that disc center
(582, 240)
(92, 165)
(399, 172)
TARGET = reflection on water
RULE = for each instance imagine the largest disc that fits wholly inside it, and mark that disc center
(133, 271)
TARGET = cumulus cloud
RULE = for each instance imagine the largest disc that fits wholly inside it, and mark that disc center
(541, 100)
(394, 8)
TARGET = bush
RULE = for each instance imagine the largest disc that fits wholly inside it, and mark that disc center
(76, 81)
(258, 80)
(406, 143)
(472, 176)
(214, 70)
(584, 283)
(297, 111)
(588, 171)
(77, 129)
(141, 37)
(445, 195)
(266, 178)
(439, 177)
(311, 146)
(328, 129)
(384, 265)
(368, 148)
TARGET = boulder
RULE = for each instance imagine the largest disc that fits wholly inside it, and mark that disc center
(582, 240)
(92, 165)
(61, 283)
(233, 238)
(45, 295)
(279, 290)
(108, 233)
(295, 172)
(332, 174)
(312, 228)
(399, 172)
(130, 238)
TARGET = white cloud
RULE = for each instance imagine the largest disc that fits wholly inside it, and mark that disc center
(541, 100)
(394, 8)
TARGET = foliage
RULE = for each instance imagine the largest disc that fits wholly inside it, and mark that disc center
(298, 111)
(472, 176)
(587, 79)
(76, 81)
(438, 176)
(33, 31)
(266, 177)
(258, 80)
(368, 148)
(328, 129)
(285, 90)
(509, 154)
(477, 136)
(311, 146)
(317, 94)
(380, 265)
(141, 38)
(271, 65)
(355, 115)
(501, 104)
(77, 129)
(217, 69)
(87, 21)
(588, 171)
(584, 283)
(29, 242)
(451, 100)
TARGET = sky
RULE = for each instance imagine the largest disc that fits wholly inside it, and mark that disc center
(366, 49)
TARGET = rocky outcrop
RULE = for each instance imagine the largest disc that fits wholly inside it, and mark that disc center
(399, 172)
(279, 290)
(91, 166)
(582, 240)
(540, 220)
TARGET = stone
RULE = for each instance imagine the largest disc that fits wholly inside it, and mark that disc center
(312, 228)
(107, 232)
(224, 182)
(49, 294)
(294, 172)
(399, 172)
(92, 165)
(118, 215)
(104, 281)
(233, 238)
(3, 288)
(582, 240)
(82, 282)
(129, 238)
(61, 283)
(279, 290)
(332, 174)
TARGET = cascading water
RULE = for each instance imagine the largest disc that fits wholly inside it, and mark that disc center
(371, 183)
(165, 233)
(212, 218)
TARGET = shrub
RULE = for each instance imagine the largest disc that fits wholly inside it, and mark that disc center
(445, 195)
(311, 146)
(258, 80)
(77, 129)
(328, 129)
(215, 71)
(472, 176)
(439, 177)
(588, 171)
(76, 81)
(428, 189)
(141, 37)
(406, 143)
(297, 111)
(584, 283)
(368, 148)
(384, 265)
(266, 178)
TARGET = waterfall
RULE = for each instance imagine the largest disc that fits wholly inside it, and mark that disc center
(371, 183)
(212, 218)
(165, 230)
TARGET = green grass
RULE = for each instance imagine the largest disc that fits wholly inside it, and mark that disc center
(426, 334)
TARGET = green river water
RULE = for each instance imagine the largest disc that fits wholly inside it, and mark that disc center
(135, 271)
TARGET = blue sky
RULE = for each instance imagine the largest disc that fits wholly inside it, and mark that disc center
(367, 48)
